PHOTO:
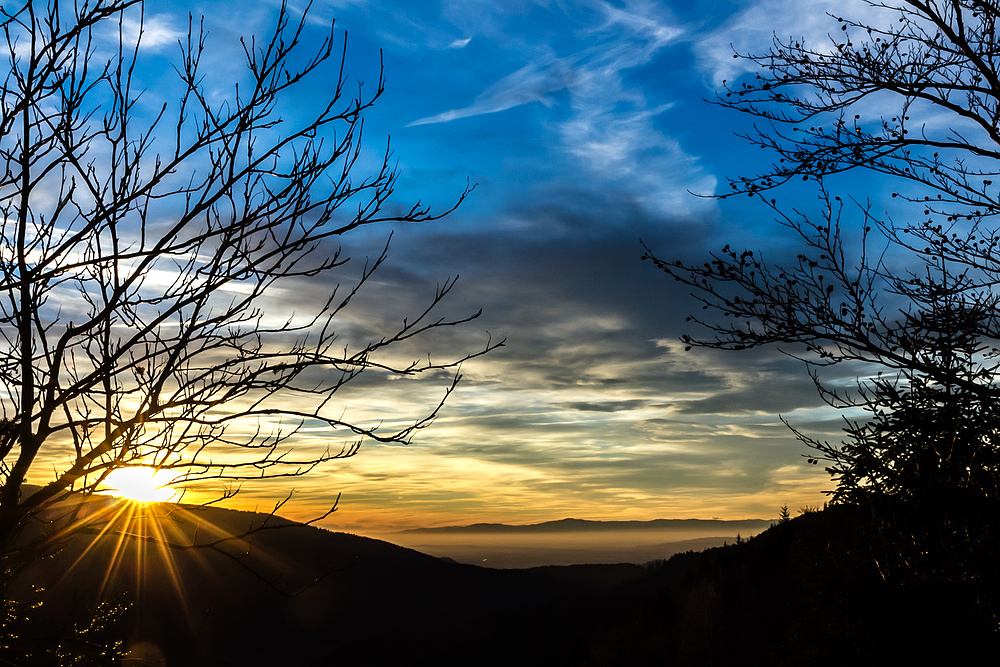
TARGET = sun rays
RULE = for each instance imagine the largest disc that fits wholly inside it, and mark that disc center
(130, 546)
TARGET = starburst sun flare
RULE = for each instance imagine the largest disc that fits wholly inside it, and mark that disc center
(140, 484)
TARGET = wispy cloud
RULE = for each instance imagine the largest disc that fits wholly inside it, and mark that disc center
(157, 31)
(751, 31)
(531, 83)
(612, 129)
(621, 40)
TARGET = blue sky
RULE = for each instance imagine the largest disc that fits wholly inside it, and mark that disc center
(585, 127)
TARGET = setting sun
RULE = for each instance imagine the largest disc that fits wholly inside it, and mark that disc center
(140, 484)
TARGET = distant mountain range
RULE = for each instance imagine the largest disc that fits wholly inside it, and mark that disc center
(708, 526)
(575, 541)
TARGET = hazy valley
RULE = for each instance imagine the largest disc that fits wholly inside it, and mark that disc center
(573, 541)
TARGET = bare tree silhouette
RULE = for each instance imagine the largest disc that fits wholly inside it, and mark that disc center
(144, 244)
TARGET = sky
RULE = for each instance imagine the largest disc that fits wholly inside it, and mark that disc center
(585, 127)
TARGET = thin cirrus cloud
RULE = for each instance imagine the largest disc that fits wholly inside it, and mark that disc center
(532, 83)
(157, 31)
(611, 128)
(617, 40)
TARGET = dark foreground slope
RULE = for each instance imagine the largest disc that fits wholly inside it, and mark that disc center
(807, 592)
(299, 595)
(802, 593)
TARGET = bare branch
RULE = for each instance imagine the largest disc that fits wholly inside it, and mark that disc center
(141, 256)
